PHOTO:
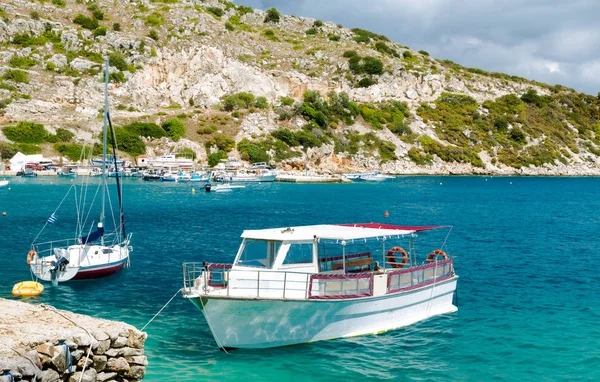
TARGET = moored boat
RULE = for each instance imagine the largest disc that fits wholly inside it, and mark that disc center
(375, 176)
(303, 284)
(92, 253)
(4, 183)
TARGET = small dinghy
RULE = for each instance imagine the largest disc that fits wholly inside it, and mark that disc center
(225, 187)
(4, 183)
(27, 288)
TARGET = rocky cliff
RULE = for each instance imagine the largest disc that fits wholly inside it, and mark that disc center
(264, 86)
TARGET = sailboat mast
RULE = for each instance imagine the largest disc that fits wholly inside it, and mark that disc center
(104, 130)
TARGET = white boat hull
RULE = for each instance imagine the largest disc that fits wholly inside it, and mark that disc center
(84, 262)
(263, 323)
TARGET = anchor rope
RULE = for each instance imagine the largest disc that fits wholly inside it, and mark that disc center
(210, 326)
(161, 309)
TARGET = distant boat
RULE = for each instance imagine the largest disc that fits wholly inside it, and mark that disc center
(4, 183)
(375, 176)
(171, 160)
(28, 173)
(68, 171)
(92, 253)
(225, 187)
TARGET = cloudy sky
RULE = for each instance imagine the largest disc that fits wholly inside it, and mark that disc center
(552, 41)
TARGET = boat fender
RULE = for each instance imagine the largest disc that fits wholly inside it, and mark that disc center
(392, 257)
(31, 256)
(433, 254)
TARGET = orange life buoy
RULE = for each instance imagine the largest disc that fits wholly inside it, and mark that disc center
(30, 256)
(432, 255)
(391, 257)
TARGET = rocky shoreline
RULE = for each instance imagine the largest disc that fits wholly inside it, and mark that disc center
(41, 343)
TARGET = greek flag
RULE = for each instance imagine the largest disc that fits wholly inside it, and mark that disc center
(52, 219)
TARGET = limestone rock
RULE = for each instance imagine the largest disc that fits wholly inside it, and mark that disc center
(119, 342)
(50, 375)
(88, 376)
(136, 339)
(99, 362)
(46, 348)
(117, 364)
(137, 360)
(60, 60)
(82, 65)
(76, 355)
(102, 347)
(59, 360)
(136, 372)
(85, 362)
(104, 376)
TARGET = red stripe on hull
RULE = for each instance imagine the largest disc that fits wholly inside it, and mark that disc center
(98, 273)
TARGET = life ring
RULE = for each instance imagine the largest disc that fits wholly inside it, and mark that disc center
(391, 257)
(432, 255)
(27, 288)
(30, 256)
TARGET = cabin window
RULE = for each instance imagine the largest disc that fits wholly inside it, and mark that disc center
(299, 254)
(259, 253)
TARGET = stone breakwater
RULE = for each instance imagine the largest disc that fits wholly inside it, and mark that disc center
(41, 343)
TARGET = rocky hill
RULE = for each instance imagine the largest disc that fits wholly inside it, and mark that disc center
(214, 79)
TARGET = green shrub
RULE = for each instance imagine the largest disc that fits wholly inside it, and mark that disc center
(155, 19)
(22, 62)
(28, 148)
(382, 47)
(7, 150)
(311, 31)
(240, 100)
(59, 3)
(204, 130)
(100, 31)
(73, 151)
(35, 15)
(153, 34)
(242, 10)
(261, 103)
(501, 124)
(116, 27)
(333, 37)
(419, 157)
(532, 97)
(187, 152)
(146, 129)
(27, 132)
(366, 65)
(318, 24)
(350, 54)
(424, 53)
(16, 75)
(128, 142)
(215, 158)
(286, 101)
(64, 135)
(272, 16)
(216, 11)
(117, 77)
(407, 54)
(286, 136)
(229, 26)
(86, 22)
(26, 40)
(368, 35)
(222, 142)
(117, 60)
(270, 34)
(175, 128)
(366, 82)
(255, 152)
(98, 14)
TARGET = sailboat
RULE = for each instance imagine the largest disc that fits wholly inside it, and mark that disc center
(94, 252)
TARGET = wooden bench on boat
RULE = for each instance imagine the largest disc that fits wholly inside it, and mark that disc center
(361, 261)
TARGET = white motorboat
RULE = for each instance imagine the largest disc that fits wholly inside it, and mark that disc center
(303, 284)
(251, 175)
(223, 187)
(375, 176)
(4, 183)
(92, 254)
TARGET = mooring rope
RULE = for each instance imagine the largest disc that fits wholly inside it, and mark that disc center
(210, 326)
(161, 309)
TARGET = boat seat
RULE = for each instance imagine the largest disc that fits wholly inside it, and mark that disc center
(362, 264)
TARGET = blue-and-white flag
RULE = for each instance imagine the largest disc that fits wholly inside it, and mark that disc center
(52, 219)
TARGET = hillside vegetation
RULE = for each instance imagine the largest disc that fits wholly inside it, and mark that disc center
(215, 79)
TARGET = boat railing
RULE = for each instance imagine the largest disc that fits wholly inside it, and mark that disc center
(47, 248)
(417, 277)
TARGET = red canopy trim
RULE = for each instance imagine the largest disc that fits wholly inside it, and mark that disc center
(398, 227)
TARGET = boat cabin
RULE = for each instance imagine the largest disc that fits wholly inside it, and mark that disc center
(321, 261)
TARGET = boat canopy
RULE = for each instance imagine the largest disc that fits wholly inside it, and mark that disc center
(334, 232)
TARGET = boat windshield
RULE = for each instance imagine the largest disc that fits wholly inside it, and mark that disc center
(299, 254)
(258, 253)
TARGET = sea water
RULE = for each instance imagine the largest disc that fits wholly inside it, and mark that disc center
(526, 251)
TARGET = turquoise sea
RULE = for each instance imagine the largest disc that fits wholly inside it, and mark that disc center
(525, 249)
